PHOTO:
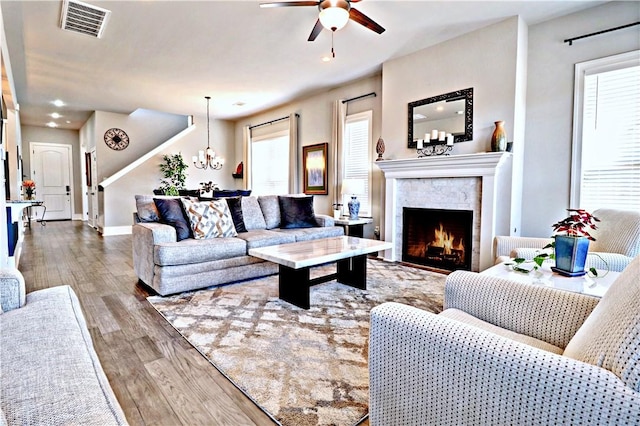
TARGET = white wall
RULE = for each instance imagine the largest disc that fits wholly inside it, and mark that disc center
(492, 61)
(4, 250)
(315, 126)
(146, 130)
(484, 59)
(547, 171)
(119, 199)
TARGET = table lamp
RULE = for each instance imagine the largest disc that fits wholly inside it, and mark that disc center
(351, 187)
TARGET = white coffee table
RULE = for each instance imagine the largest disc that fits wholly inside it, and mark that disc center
(544, 276)
(295, 260)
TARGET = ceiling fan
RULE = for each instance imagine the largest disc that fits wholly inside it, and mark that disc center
(334, 14)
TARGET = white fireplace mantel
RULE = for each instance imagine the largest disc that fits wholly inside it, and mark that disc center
(483, 165)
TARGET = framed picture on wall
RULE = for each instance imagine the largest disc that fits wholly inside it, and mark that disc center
(314, 165)
(87, 168)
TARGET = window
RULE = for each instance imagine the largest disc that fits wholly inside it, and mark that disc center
(356, 156)
(270, 164)
(606, 145)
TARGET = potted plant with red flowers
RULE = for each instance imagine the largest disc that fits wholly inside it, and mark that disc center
(572, 242)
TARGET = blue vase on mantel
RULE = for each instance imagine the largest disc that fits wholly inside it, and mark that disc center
(354, 208)
(571, 255)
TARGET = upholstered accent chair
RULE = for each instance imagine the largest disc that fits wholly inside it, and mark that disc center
(509, 353)
(617, 241)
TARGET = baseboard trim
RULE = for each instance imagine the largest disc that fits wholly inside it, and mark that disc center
(109, 231)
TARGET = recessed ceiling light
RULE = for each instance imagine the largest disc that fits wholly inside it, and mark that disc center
(51, 124)
(58, 103)
(326, 59)
(68, 122)
(460, 112)
(55, 115)
(418, 116)
(439, 108)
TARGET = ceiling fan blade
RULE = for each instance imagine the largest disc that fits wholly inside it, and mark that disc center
(315, 31)
(290, 3)
(364, 20)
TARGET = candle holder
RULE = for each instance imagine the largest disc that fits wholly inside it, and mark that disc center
(434, 149)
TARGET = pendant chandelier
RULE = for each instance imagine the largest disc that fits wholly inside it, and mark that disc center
(207, 159)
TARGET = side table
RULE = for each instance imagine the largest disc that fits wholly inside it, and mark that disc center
(353, 227)
(544, 276)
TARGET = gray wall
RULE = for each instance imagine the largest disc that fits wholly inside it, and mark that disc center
(547, 170)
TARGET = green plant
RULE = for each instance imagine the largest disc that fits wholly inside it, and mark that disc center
(174, 176)
(576, 224)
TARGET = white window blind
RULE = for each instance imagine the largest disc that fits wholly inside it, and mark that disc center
(357, 157)
(270, 164)
(610, 147)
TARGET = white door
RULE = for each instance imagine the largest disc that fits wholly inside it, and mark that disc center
(51, 172)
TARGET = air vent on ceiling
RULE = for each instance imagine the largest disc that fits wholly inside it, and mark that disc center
(83, 18)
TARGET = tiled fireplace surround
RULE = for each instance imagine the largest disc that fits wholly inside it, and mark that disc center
(476, 182)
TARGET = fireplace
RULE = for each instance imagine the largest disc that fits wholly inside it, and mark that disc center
(439, 238)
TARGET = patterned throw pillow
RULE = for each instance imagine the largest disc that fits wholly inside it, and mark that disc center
(209, 219)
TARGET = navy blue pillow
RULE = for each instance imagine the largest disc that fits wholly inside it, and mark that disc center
(235, 206)
(171, 213)
(297, 212)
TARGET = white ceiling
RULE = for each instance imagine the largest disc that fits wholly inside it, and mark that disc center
(167, 55)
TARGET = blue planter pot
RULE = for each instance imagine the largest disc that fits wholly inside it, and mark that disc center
(571, 255)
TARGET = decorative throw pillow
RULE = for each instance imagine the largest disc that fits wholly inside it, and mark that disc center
(171, 213)
(297, 212)
(146, 209)
(210, 219)
(235, 207)
(252, 214)
(270, 209)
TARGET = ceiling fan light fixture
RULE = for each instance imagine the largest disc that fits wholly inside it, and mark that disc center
(334, 18)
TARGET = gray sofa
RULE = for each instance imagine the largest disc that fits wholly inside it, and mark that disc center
(49, 371)
(170, 266)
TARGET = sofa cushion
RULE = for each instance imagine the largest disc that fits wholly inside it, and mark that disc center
(296, 212)
(461, 316)
(209, 219)
(195, 251)
(50, 371)
(263, 237)
(252, 214)
(172, 213)
(146, 208)
(610, 337)
(306, 234)
(235, 207)
(270, 210)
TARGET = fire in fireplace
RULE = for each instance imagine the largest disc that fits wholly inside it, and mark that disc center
(437, 238)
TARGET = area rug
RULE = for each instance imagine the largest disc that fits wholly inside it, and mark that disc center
(302, 367)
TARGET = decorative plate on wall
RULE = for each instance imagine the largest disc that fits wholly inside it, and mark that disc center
(116, 139)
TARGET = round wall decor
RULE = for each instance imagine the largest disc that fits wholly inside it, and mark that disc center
(116, 139)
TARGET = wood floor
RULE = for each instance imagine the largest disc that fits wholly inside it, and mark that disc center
(157, 376)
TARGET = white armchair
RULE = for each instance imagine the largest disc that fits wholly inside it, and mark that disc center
(508, 353)
(617, 241)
